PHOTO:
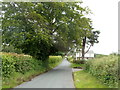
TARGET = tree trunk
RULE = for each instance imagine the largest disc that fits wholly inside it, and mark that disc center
(88, 49)
(83, 47)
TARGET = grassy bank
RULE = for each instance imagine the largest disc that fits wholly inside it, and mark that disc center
(73, 65)
(18, 68)
(100, 72)
(105, 69)
(83, 79)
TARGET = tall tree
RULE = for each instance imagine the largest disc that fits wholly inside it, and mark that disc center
(37, 27)
(25, 29)
(90, 41)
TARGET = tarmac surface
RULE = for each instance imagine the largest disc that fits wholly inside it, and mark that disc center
(59, 77)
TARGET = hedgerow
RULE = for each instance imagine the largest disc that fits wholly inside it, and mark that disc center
(12, 62)
(105, 69)
(70, 59)
(20, 63)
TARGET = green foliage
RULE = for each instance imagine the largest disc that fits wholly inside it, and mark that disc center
(105, 69)
(23, 66)
(70, 59)
(21, 63)
(85, 80)
(114, 53)
(77, 65)
(81, 61)
(10, 48)
(93, 38)
(99, 55)
(12, 62)
(17, 66)
(43, 25)
(8, 67)
(59, 53)
(89, 39)
(53, 60)
(119, 67)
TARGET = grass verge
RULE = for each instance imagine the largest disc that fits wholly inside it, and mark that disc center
(77, 65)
(17, 78)
(83, 79)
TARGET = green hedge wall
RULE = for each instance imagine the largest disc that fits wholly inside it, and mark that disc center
(12, 62)
(105, 69)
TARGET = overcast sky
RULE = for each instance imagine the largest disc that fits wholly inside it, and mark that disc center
(105, 19)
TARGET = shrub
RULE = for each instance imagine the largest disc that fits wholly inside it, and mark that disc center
(79, 61)
(105, 69)
(70, 59)
(7, 66)
(12, 62)
(54, 59)
(11, 48)
(20, 67)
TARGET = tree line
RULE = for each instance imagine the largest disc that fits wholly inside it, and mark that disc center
(41, 29)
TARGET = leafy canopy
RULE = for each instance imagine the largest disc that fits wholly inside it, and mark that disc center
(44, 28)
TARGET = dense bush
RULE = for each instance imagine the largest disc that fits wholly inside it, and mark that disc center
(105, 69)
(12, 62)
(79, 61)
(54, 59)
(11, 48)
(70, 59)
(7, 66)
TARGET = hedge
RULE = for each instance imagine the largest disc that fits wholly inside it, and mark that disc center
(12, 62)
(105, 69)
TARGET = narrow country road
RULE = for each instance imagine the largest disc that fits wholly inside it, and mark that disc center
(59, 77)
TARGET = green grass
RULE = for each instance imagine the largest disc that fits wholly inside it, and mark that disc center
(104, 69)
(76, 65)
(18, 78)
(83, 79)
(70, 59)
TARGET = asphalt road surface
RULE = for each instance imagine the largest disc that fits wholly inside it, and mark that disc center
(59, 77)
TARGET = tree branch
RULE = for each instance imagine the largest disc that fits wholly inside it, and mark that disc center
(88, 49)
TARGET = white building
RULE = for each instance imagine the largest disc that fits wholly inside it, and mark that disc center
(89, 54)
